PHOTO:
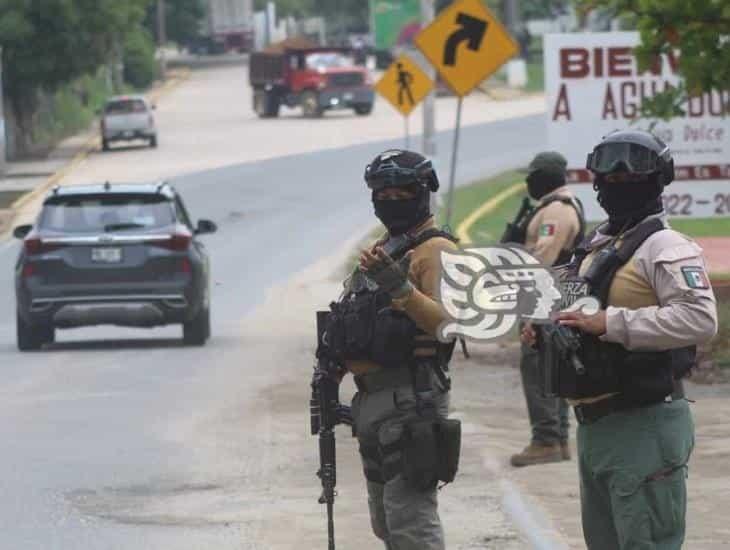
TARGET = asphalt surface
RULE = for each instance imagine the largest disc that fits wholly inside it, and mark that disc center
(113, 438)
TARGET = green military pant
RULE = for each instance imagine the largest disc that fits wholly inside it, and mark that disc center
(548, 415)
(632, 477)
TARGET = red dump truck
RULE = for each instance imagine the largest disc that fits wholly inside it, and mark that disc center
(315, 78)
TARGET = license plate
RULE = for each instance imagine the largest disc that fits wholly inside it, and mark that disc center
(106, 255)
(348, 96)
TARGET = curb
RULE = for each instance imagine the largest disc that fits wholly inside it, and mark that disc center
(90, 145)
(462, 231)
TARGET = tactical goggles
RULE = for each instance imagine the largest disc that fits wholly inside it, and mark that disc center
(389, 174)
(629, 157)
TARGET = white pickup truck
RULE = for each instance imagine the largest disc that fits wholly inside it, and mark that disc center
(127, 118)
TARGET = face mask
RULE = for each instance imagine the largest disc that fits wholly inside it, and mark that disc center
(403, 214)
(629, 202)
(540, 184)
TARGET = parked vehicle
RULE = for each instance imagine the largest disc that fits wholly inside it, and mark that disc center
(126, 255)
(127, 118)
(317, 79)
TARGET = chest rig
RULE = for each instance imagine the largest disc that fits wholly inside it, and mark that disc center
(362, 325)
(641, 377)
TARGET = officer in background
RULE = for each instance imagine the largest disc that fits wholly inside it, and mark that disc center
(390, 315)
(635, 432)
(551, 231)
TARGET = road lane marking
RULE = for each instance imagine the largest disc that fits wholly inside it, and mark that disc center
(462, 232)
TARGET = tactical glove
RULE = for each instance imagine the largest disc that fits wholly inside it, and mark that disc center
(391, 276)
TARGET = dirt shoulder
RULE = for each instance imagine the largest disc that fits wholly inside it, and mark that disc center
(488, 386)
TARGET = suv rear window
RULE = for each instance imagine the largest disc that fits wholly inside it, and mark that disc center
(106, 213)
(126, 107)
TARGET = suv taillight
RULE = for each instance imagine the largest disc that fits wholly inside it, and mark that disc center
(179, 242)
(36, 245)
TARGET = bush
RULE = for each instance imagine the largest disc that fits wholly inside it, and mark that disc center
(140, 65)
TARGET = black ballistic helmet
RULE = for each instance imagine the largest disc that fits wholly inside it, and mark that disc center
(632, 151)
(398, 168)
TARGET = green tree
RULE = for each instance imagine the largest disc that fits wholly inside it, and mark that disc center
(182, 19)
(50, 43)
(699, 30)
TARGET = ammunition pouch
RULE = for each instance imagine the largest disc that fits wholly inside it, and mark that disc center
(430, 452)
(642, 377)
(365, 327)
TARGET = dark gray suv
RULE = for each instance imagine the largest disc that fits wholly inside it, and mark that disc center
(124, 255)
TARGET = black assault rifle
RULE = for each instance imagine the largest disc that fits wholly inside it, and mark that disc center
(326, 412)
(516, 231)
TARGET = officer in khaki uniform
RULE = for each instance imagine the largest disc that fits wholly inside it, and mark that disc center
(635, 432)
(391, 314)
(553, 228)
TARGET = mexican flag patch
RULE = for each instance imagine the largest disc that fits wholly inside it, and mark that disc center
(695, 277)
(547, 230)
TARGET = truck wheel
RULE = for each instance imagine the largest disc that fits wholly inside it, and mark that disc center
(197, 330)
(104, 145)
(266, 104)
(364, 110)
(153, 142)
(310, 104)
(30, 338)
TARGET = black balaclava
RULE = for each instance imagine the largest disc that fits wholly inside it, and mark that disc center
(627, 203)
(541, 182)
(400, 215)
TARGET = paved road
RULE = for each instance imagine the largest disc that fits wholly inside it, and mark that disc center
(125, 439)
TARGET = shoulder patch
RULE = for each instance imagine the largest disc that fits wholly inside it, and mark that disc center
(695, 276)
(547, 230)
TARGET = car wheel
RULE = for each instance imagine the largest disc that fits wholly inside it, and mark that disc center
(197, 330)
(32, 338)
(153, 142)
(104, 145)
(310, 104)
(364, 110)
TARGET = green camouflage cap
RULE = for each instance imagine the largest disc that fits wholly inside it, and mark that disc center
(550, 162)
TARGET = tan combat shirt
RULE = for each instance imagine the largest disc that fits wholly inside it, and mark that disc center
(421, 305)
(660, 299)
(553, 229)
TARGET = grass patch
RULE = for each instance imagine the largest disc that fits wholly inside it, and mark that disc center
(7, 198)
(702, 227)
(535, 76)
(488, 228)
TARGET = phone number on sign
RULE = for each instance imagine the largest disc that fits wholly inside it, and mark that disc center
(686, 204)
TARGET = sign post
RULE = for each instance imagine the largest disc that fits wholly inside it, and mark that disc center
(466, 44)
(404, 85)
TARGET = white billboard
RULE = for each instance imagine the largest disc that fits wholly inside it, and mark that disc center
(593, 86)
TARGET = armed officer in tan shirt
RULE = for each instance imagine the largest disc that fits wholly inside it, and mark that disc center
(551, 230)
(635, 432)
(388, 316)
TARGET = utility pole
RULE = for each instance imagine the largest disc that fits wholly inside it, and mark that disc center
(429, 104)
(162, 36)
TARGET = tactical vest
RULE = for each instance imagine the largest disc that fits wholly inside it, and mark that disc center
(642, 377)
(362, 325)
(519, 234)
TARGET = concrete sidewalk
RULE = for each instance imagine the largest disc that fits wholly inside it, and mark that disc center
(488, 392)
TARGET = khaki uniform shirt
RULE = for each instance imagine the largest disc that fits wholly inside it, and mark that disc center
(661, 298)
(421, 305)
(553, 229)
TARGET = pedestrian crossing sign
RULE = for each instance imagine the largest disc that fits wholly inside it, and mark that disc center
(404, 84)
